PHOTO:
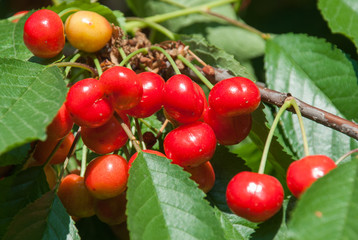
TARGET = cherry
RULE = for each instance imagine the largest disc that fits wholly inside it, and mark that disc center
(87, 103)
(44, 34)
(182, 100)
(123, 86)
(61, 125)
(190, 144)
(203, 175)
(20, 14)
(75, 196)
(152, 98)
(106, 138)
(134, 156)
(254, 196)
(88, 31)
(112, 210)
(228, 130)
(234, 96)
(302, 173)
(106, 176)
(44, 149)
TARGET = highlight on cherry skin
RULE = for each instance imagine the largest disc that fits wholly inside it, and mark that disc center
(44, 34)
(88, 31)
(254, 196)
(234, 96)
(301, 174)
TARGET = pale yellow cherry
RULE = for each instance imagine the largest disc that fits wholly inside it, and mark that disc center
(88, 31)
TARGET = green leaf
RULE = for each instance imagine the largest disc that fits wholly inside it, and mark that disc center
(87, 6)
(11, 39)
(16, 156)
(30, 96)
(46, 218)
(19, 190)
(214, 56)
(321, 75)
(342, 16)
(163, 203)
(328, 209)
(238, 42)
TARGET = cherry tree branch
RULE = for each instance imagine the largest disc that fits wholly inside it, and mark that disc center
(278, 98)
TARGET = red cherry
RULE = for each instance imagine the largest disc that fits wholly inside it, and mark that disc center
(61, 125)
(112, 210)
(106, 176)
(123, 86)
(190, 144)
(182, 100)
(106, 138)
(234, 96)
(44, 34)
(87, 103)
(203, 175)
(75, 196)
(302, 173)
(134, 156)
(256, 197)
(44, 149)
(152, 98)
(228, 130)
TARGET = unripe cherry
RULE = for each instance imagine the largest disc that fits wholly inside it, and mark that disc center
(88, 31)
(44, 34)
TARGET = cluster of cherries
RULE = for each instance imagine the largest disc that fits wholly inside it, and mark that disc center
(101, 108)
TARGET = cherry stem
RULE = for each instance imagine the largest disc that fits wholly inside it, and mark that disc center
(58, 144)
(182, 12)
(128, 132)
(197, 58)
(140, 135)
(75, 64)
(160, 132)
(123, 55)
(300, 120)
(68, 10)
(132, 54)
(286, 105)
(97, 64)
(149, 125)
(346, 155)
(196, 71)
(126, 152)
(170, 59)
(73, 59)
(77, 137)
(153, 25)
(239, 24)
(83, 160)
